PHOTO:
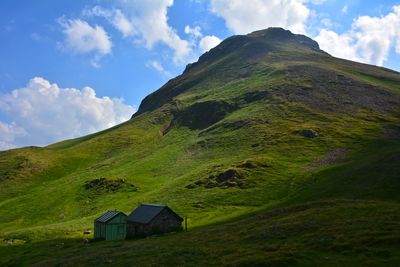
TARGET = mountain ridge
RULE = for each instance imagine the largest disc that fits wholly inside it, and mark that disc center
(269, 36)
(258, 43)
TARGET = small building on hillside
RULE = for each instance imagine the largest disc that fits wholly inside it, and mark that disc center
(150, 219)
(110, 226)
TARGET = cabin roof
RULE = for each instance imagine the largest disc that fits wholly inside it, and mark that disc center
(147, 212)
(108, 216)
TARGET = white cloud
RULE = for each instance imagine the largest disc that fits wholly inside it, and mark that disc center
(81, 38)
(208, 42)
(338, 45)
(43, 113)
(115, 17)
(203, 43)
(8, 132)
(369, 40)
(327, 23)
(156, 65)
(5, 145)
(147, 23)
(195, 31)
(243, 17)
(345, 8)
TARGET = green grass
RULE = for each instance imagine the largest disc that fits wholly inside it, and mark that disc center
(328, 233)
(324, 214)
(371, 173)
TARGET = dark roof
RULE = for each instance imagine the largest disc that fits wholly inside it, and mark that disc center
(147, 212)
(108, 216)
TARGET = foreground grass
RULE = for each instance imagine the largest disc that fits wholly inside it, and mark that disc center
(327, 233)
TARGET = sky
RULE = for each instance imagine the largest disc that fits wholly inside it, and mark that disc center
(71, 68)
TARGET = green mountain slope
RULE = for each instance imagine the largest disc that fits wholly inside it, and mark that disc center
(262, 122)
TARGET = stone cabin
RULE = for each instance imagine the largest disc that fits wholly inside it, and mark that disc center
(148, 219)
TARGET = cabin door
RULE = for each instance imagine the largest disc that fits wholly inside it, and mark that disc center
(121, 231)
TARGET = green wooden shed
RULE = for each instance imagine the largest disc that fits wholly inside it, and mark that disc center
(110, 226)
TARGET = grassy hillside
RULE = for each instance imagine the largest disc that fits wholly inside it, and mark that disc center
(264, 134)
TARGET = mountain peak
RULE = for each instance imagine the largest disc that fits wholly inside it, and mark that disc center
(259, 42)
(280, 34)
(235, 54)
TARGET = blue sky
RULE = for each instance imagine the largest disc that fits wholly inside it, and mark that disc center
(69, 68)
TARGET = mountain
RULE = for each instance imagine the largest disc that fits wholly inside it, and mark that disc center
(277, 152)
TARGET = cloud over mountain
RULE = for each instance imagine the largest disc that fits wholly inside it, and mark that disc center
(241, 17)
(43, 113)
(369, 40)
